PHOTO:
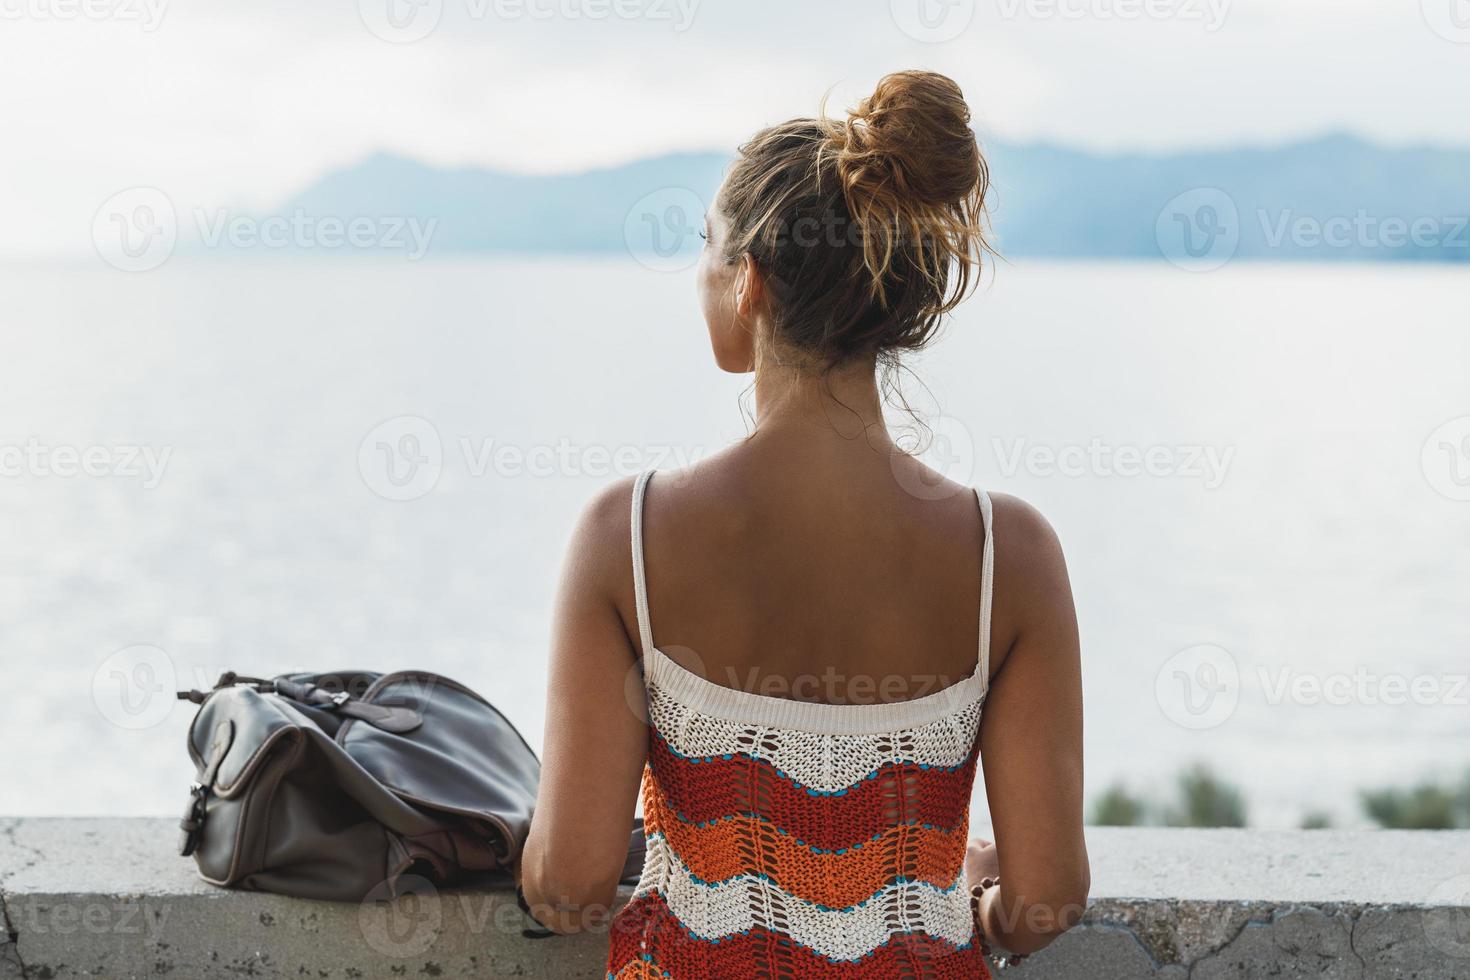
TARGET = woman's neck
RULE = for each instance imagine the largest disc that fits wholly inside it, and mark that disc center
(844, 403)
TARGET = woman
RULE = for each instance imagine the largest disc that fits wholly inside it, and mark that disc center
(801, 614)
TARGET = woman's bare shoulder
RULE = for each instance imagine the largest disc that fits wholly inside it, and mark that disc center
(1023, 532)
(599, 555)
(1031, 582)
(606, 526)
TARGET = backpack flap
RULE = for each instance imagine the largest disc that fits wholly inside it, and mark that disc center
(466, 761)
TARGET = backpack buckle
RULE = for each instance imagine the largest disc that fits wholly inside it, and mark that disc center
(193, 821)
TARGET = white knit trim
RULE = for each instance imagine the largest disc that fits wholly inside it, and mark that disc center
(731, 704)
(823, 747)
(748, 902)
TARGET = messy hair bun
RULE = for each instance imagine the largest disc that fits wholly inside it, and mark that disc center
(869, 229)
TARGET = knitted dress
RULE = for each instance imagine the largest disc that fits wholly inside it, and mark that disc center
(791, 839)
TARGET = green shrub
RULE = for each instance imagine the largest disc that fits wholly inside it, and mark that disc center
(1205, 801)
(1117, 807)
(1423, 807)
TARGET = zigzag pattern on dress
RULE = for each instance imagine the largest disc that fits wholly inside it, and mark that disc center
(721, 788)
(713, 911)
(762, 953)
(836, 878)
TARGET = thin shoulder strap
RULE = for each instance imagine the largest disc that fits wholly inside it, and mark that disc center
(640, 583)
(987, 585)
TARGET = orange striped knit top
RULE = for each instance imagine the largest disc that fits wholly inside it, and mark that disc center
(792, 839)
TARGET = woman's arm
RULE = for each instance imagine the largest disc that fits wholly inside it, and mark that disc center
(596, 735)
(1031, 743)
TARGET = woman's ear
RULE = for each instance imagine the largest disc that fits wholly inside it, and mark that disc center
(750, 287)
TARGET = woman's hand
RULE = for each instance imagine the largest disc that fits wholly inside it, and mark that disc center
(982, 861)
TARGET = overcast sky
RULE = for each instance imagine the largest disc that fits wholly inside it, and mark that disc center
(242, 102)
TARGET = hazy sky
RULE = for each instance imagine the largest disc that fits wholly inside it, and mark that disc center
(244, 101)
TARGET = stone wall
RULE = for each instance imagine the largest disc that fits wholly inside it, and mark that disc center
(108, 898)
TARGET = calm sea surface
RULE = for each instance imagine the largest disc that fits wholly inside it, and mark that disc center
(1236, 463)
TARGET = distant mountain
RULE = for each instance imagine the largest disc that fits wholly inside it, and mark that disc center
(1325, 199)
(1331, 198)
(485, 211)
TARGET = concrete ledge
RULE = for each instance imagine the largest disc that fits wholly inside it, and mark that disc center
(108, 898)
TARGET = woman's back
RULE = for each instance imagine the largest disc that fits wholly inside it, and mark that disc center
(787, 835)
(848, 574)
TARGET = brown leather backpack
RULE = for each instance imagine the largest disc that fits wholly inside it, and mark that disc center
(333, 785)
